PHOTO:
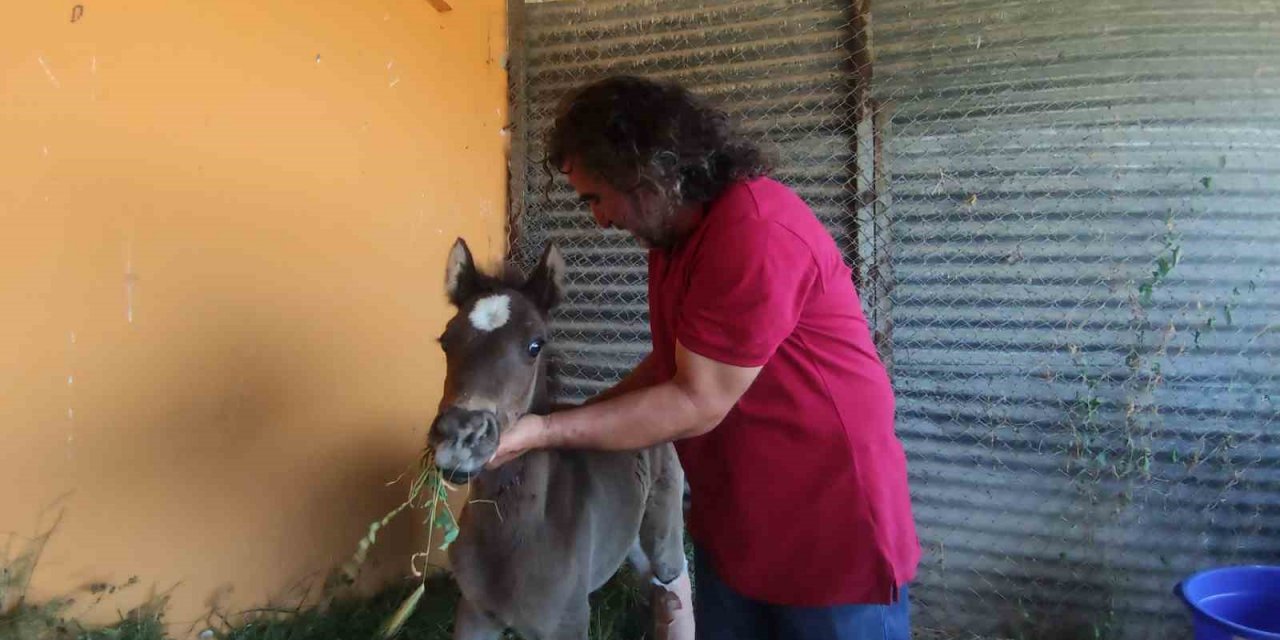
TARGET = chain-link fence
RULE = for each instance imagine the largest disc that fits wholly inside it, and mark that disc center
(1064, 219)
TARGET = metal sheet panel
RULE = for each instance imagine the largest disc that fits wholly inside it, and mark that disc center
(1085, 426)
(781, 68)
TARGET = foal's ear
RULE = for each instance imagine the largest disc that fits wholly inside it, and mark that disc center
(460, 277)
(545, 286)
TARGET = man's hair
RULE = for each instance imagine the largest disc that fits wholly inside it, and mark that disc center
(636, 133)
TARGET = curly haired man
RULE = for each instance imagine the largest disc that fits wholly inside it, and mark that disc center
(762, 372)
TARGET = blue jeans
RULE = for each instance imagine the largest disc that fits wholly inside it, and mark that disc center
(723, 614)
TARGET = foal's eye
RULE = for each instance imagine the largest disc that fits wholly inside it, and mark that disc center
(535, 347)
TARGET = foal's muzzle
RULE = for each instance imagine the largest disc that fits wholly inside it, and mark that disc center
(464, 441)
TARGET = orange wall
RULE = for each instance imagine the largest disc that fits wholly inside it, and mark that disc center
(223, 228)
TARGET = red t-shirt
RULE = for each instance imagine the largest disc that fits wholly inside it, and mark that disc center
(800, 494)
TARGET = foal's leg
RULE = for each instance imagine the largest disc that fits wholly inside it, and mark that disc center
(575, 622)
(662, 540)
(471, 623)
(662, 527)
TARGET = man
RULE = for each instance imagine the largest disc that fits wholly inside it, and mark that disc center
(762, 371)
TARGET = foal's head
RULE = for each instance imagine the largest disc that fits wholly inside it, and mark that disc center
(493, 348)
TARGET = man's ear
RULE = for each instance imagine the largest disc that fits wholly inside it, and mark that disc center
(460, 278)
(545, 286)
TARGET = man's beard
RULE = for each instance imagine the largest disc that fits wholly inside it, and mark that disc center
(656, 230)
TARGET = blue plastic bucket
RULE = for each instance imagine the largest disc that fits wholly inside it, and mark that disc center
(1234, 602)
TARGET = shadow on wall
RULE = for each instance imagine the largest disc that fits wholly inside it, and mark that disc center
(21, 618)
(239, 433)
(60, 615)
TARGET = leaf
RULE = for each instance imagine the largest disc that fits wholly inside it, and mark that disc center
(396, 622)
(1206, 181)
(449, 536)
(443, 519)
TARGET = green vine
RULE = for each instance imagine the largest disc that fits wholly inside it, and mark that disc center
(429, 491)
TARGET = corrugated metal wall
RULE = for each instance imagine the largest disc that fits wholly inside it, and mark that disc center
(781, 68)
(1072, 234)
(1085, 426)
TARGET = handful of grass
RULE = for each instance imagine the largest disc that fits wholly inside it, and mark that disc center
(429, 491)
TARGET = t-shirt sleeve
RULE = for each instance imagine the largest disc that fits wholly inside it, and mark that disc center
(746, 291)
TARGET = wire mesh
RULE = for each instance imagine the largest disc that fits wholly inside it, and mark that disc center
(1063, 218)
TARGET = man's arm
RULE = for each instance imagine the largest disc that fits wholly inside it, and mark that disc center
(690, 404)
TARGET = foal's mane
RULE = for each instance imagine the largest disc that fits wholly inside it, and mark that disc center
(509, 277)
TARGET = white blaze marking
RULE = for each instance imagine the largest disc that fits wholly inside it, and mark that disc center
(491, 312)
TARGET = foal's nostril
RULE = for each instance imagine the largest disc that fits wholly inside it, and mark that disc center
(463, 441)
(468, 429)
(480, 426)
(470, 434)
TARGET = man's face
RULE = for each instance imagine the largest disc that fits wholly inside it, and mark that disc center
(612, 209)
